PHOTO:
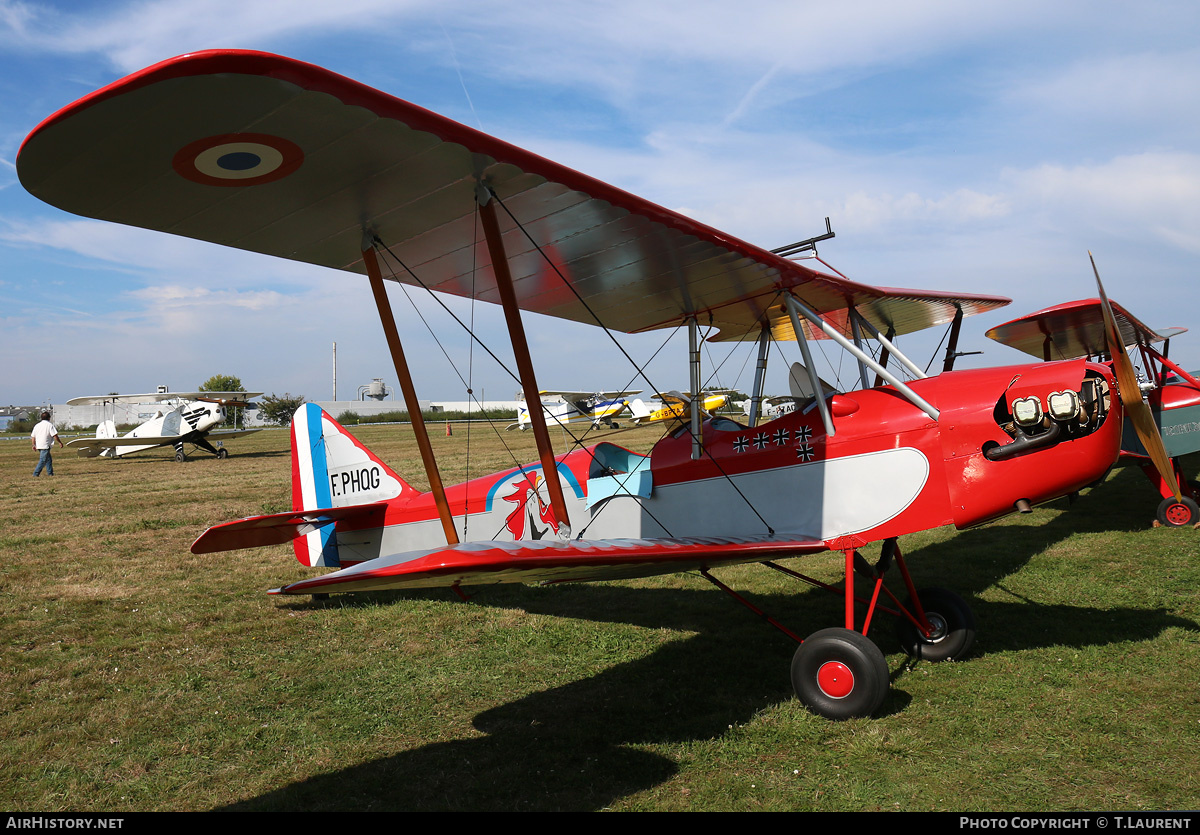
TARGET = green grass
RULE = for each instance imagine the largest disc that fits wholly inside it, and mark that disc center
(139, 676)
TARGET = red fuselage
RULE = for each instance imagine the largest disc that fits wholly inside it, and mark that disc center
(888, 469)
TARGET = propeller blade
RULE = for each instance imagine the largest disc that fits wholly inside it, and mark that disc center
(1131, 393)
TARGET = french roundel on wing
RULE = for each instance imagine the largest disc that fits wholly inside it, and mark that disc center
(238, 159)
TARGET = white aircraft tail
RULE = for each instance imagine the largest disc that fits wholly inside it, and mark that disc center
(639, 409)
(331, 469)
(107, 429)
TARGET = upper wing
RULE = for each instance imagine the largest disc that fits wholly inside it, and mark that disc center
(566, 395)
(674, 397)
(158, 397)
(100, 399)
(267, 154)
(1074, 329)
(613, 395)
(542, 561)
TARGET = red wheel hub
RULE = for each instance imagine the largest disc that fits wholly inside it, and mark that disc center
(1178, 514)
(835, 680)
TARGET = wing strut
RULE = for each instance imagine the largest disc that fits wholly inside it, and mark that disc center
(694, 404)
(858, 340)
(795, 306)
(1167, 364)
(884, 353)
(888, 347)
(760, 375)
(410, 393)
(952, 348)
(516, 334)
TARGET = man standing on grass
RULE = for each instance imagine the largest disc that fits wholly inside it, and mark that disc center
(44, 435)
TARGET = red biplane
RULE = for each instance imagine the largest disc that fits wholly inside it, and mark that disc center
(275, 156)
(1077, 329)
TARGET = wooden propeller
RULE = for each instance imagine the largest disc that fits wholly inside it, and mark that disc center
(1131, 393)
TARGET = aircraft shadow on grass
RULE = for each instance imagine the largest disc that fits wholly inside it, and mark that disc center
(572, 747)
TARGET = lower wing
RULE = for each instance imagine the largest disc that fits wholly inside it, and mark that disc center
(111, 443)
(226, 434)
(541, 561)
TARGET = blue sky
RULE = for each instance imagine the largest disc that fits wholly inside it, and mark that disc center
(979, 146)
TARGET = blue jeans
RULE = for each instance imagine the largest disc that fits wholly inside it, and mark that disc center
(44, 460)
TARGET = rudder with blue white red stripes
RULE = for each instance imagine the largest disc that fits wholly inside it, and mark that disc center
(332, 469)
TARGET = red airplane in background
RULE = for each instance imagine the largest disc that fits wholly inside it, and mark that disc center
(272, 155)
(1078, 329)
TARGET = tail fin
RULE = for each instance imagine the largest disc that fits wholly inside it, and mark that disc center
(639, 410)
(331, 469)
(107, 429)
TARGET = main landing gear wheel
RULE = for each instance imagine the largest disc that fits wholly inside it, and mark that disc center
(953, 627)
(840, 674)
(1178, 514)
(222, 454)
(180, 457)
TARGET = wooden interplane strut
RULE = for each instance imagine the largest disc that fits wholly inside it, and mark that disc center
(410, 393)
(516, 334)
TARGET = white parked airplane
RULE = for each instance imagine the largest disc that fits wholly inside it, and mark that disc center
(182, 417)
(567, 407)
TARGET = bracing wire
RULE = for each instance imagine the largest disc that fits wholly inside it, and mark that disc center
(471, 373)
(641, 372)
(945, 334)
(458, 374)
(475, 339)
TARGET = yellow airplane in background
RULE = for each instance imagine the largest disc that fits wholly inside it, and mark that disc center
(674, 406)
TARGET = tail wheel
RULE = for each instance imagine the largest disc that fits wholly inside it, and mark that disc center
(1178, 513)
(953, 627)
(840, 674)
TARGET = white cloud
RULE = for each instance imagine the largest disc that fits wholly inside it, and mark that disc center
(134, 34)
(141, 251)
(1128, 196)
(1115, 92)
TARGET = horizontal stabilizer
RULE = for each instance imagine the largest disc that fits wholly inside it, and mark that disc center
(278, 528)
(543, 561)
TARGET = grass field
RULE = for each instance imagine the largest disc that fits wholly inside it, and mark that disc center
(138, 676)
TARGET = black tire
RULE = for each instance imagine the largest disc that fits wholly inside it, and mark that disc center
(953, 621)
(180, 457)
(1178, 514)
(840, 674)
(222, 453)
